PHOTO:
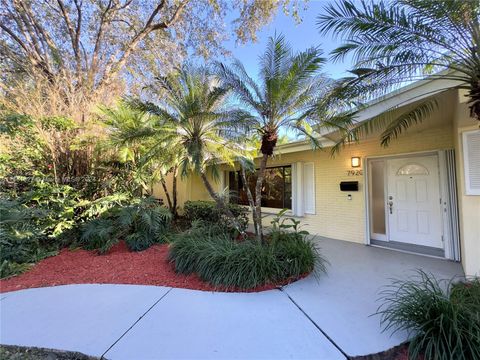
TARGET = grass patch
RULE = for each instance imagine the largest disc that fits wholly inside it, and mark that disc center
(224, 262)
(442, 317)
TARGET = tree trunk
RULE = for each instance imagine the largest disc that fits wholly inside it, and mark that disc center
(174, 191)
(167, 195)
(258, 196)
(251, 202)
(220, 203)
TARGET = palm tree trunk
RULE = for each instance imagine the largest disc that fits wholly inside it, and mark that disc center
(220, 203)
(251, 202)
(167, 195)
(258, 196)
(174, 191)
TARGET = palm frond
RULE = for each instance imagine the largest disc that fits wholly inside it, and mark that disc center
(390, 124)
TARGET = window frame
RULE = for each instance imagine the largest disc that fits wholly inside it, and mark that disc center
(284, 188)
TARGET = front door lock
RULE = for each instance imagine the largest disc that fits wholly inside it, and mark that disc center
(390, 204)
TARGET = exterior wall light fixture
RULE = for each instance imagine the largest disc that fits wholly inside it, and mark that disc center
(356, 162)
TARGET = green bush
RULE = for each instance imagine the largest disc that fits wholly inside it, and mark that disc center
(10, 268)
(208, 212)
(141, 224)
(23, 237)
(442, 317)
(221, 261)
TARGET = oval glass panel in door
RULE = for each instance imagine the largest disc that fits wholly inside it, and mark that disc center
(412, 169)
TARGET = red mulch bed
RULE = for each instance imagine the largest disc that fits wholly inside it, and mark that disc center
(118, 266)
(399, 352)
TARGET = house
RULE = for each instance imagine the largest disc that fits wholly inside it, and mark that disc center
(421, 194)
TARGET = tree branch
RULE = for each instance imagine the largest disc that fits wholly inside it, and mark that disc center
(115, 66)
(72, 33)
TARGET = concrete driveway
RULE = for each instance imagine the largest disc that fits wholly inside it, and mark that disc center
(328, 318)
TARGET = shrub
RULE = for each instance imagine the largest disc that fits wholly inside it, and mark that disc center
(141, 224)
(10, 268)
(23, 238)
(442, 317)
(221, 261)
(208, 212)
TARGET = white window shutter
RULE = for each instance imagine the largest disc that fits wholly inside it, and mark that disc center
(297, 189)
(309, 188)
(471, 158)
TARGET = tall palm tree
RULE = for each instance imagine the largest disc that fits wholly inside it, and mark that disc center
(395, 42)
(288, 88)
(194, 121)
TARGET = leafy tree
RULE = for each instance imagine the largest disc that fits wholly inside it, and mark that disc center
(290, 94)
(395, 42)
(63, 57)
(194, 122)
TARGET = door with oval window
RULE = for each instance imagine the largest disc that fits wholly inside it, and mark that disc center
(413, 201)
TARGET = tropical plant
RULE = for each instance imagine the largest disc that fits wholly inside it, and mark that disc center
(245, 264)
(208, 213)
(141, 224)
(396, 42)
(288, 96)
(126, 126)
(281, 224)
(23, 237)
(193, 121)
(442, 316)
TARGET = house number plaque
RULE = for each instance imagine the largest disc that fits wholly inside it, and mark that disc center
(354, 172)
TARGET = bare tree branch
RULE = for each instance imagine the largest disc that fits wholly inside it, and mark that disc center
(72, 33)
(114, 66)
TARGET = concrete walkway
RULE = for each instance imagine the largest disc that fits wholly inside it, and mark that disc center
(325, 319)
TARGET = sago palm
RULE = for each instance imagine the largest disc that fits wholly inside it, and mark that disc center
(396, 42)
(193, 120)
(285, 96)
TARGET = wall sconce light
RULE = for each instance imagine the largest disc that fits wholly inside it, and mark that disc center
(356, 162)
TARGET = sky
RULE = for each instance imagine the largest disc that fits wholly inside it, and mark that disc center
(300, 36)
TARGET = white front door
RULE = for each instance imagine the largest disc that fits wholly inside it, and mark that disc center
(413, 201)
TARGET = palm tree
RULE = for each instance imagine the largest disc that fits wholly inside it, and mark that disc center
(394, 43)
(130, 132)
(285, 96)
(192, 119)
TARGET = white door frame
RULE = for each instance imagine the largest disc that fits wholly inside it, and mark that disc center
(443, 194)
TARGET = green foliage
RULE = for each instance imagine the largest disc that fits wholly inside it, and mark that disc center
(396, 43)
(286, 93)
(37, 222)
(443, 317)
(192, 119)
(280, 224)
(208, 212)
(21, 150)
(10, 268)
(141, 224)
(221, 261)
(23, 237)
(59, 203)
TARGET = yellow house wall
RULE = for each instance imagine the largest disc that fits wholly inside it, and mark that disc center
(336, 216)
(188, 188)
(468, 205)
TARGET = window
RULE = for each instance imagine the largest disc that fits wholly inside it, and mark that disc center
(412, 169)
(276, 189)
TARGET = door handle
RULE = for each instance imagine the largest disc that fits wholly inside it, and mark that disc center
(390, 207)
